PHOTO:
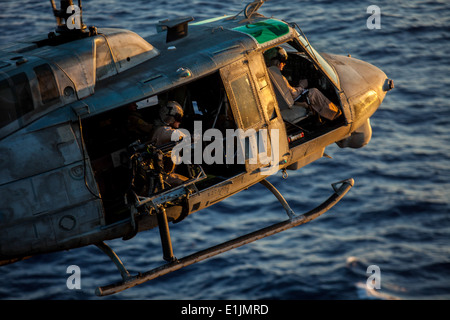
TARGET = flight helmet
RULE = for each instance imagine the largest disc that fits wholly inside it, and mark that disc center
(171, 112)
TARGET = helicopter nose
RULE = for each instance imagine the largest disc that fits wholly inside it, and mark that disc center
(372, 78)
(364, 84)
(373, 88)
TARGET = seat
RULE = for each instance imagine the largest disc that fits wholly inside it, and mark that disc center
(290, 111)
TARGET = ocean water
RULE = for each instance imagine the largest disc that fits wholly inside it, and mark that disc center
(396, 217)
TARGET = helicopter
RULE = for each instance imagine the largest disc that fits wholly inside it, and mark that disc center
(73, 173)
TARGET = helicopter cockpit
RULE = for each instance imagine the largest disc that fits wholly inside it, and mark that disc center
(301, 119)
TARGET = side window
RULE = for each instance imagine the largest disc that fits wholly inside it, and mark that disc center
(266, 96)
(47, 84)
(103, 60)
(129, 49)
(25, 100)
(245, 99)
(7, 103)
(15, 98)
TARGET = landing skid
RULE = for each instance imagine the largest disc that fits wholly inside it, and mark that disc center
(340, 190)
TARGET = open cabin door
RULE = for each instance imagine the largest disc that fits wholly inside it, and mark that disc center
(272, 115)
(254, 107)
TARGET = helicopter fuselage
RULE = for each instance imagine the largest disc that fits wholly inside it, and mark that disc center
(65, 167)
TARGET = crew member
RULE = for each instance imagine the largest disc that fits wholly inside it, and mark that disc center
(166, 130)
(313, 96)
(166, 127)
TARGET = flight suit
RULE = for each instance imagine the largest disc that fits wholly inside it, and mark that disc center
(162, 135)
(324, 107)
(316, 99)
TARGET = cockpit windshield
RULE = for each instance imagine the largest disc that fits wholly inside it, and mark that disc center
(328, 69)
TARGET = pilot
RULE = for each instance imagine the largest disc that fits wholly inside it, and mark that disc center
(314, 98)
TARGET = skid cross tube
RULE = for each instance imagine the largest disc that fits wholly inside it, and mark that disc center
(115, 258)
(280, 198)
(339, 192)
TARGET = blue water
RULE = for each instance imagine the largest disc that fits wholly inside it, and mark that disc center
(396, 217)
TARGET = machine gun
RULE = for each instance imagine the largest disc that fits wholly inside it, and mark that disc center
(150, 167)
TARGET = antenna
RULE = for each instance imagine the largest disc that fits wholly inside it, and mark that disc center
(252, 7)
(176, 28)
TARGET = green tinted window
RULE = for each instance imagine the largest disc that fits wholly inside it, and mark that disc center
(266, 30)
